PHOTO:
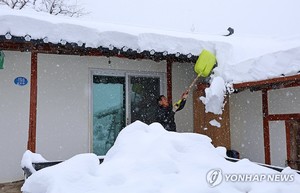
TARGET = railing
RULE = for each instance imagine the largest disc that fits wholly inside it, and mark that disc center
(40, 165)
(277, 168)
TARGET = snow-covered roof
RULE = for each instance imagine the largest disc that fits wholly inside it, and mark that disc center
(62, 30)
(241, 57)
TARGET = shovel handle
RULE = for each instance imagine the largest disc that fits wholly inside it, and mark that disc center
(191, 86)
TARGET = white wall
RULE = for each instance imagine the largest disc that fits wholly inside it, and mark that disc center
(14, 115)
(63, 104)
(284, 101)
(246, 124)
(278, 143)
(182, 76)
(281, 101)
(63, 121)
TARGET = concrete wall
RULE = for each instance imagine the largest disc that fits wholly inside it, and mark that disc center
(278, 143)
(246, 124)
(14, 115)
(64, 104)
(284, 101)
(63, 122)
(281, 101)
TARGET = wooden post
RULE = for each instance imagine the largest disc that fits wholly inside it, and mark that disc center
(288, 127)
(265, 110)
(33, 104)
(169, 80)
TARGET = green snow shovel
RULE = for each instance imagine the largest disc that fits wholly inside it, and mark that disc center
(203, 67)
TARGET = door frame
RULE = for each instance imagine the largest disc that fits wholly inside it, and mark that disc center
(129, 74)
(273, 117)
(126, 74)
(288, 127)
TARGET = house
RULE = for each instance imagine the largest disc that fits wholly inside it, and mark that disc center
(57, 104)
(62, 99)
(68, 89)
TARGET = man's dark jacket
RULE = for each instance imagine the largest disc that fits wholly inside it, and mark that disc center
(165, 116)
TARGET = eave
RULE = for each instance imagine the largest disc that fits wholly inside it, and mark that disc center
(269, 84)
(39, 46)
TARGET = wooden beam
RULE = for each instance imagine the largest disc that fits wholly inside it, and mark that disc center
(169, 80)
(33, 104)
(266, 129)
(288, 127)
(17, 44)
(274, 83)
(202, 86)
(283, 117)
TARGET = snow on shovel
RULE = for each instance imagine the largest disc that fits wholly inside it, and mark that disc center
(203, 67)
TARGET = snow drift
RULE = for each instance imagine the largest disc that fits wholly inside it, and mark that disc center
(147, 158)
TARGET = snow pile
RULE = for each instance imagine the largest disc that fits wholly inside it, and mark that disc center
(147, 158)
(282, 63)
(28, 158)
(65, 177)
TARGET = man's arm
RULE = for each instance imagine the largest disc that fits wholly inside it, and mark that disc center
(181, 103)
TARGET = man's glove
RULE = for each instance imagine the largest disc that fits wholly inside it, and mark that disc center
(175, 107)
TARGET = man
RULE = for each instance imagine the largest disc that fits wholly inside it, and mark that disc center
(166, 112)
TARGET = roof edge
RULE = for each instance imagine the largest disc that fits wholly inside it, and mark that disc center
(15, 43)
(269, 84)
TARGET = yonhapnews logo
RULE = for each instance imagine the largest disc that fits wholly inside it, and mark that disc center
(215, 177)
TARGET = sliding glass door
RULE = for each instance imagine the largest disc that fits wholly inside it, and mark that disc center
(144, 92)
(120, 99)
(108, 111)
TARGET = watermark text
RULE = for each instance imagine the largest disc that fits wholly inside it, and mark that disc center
(215, 177)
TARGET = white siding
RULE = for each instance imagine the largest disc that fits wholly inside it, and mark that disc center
(14, 115)
(246, 123)
(182, 76)
(278, 143)
(63, 122)
(63, 104)
(284, 101)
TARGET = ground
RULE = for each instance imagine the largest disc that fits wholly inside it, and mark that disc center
(12, 187)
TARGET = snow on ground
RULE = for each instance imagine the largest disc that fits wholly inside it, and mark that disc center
(28, 158)
(147, 158)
